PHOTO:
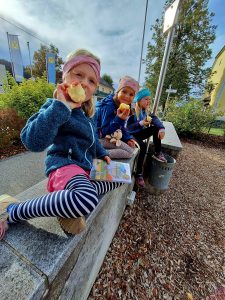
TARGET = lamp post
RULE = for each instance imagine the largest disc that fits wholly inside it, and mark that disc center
(142, 44)
(170, 19)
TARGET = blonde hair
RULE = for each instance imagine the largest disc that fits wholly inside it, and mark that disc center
(138, 110)
(88, 107)
(84, 52)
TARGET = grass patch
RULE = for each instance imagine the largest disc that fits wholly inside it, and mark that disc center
(214, 131)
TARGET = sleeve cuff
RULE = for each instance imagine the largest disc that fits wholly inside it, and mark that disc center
(118, 120)
(67, 105)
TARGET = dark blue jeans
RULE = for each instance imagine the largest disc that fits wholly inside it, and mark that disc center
(140, 137)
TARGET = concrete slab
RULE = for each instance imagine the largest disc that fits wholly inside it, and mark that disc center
(171, 140)
(18, 280)
(41, 240)
(21, 171)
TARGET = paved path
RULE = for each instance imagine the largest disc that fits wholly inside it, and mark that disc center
(20, 172)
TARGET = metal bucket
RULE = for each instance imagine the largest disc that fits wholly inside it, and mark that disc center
(159, 173)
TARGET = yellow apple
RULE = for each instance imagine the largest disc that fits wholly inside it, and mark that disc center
(76, 93)
(148, 118)
(124, 106)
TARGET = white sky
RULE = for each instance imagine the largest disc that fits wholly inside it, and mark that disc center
(111, 29)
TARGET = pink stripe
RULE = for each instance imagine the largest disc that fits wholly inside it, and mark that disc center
(77, 60)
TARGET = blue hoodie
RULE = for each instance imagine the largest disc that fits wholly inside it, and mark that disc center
(68, 134)
(134, 126)
(107, 119)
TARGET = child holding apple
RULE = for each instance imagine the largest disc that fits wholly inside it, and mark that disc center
(64, 126)
(112, 113)
(142, 126)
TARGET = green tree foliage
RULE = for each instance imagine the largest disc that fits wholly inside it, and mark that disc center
(108, 79)
(27, 72)
(190, 50)
(27, 97)
(39, 59)
(191, 118)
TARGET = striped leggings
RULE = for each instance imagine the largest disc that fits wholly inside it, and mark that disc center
(79, 198)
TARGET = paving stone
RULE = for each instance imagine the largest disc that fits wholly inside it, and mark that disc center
(18, 279)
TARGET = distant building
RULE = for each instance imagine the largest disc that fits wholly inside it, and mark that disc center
(217, 97)
(103, 90)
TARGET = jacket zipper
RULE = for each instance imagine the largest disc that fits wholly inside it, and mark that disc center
(90, 145)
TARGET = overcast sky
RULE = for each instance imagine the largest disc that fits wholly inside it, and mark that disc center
(111, 29)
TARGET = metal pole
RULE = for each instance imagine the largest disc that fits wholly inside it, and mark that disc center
(11, 56)
(142, 45)
(163, 69)
(167, 99)
(31, 71)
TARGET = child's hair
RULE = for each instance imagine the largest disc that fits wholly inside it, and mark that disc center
(140, 95)
(88, 106)
(137, 111)
(83, 52)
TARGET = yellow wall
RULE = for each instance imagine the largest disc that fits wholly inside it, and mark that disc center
(218, 94)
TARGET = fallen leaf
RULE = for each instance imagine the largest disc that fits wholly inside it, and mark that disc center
(197, 236)
(189, 296)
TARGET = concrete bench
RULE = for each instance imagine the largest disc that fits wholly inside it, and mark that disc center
(171, 143)
(39, 261)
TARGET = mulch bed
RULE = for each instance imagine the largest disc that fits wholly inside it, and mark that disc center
(211, 141)
(172, 246)
(12, 150)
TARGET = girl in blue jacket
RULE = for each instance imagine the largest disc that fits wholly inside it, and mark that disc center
(110, 118)
(67, 130)
(142, 126)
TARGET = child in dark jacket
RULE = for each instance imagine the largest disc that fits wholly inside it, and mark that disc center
(64, 125)
(111, 118)
(142, 126)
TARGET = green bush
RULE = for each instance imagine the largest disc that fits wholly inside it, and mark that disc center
(26, 97)
(10, 127)
(224, 134)
(191, 118)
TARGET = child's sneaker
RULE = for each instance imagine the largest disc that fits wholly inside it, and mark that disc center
(5, 201)
(160, 157)
(140, 182)
(72, 226)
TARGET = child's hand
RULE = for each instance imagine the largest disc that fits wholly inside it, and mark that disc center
(131, 143)
(161, 135)
(146, 123)
(62, 95)
(107, 159)
(123, 114)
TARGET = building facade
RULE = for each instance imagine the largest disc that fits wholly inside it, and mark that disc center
(103, 90)
(217, 97)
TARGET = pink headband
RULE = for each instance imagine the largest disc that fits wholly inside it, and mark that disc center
(128, 81)
(82, 59)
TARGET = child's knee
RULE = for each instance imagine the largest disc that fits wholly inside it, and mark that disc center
(88, 200)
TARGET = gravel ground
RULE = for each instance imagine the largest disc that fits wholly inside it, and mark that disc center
(172, 246)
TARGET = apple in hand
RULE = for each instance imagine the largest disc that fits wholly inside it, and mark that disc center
(76, 92)
(124, 106)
